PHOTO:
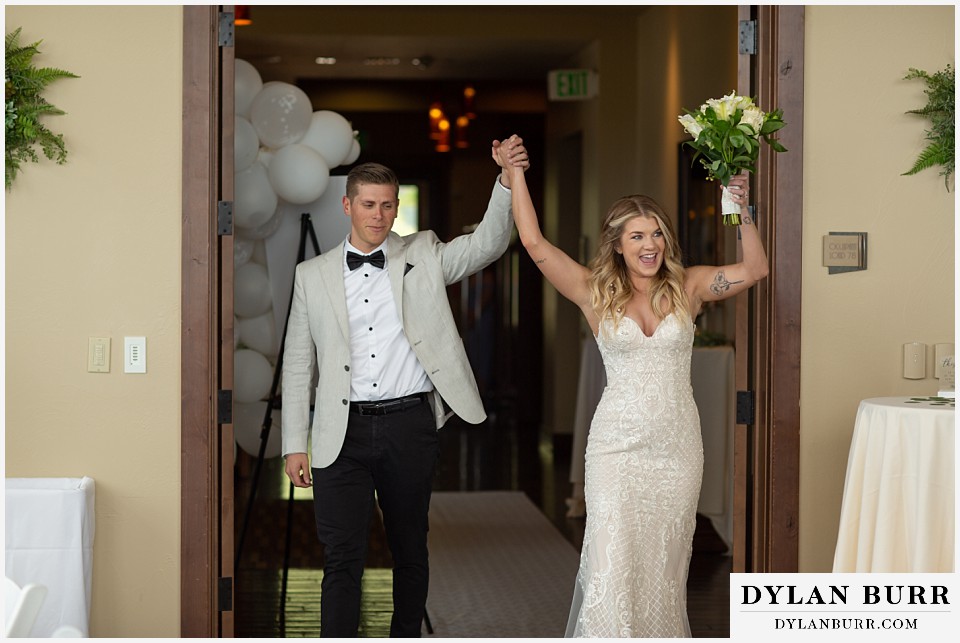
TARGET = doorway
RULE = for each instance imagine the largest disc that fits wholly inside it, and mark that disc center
(204, 593)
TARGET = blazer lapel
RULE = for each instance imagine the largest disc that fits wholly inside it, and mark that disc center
(396, 265)
(332, 274)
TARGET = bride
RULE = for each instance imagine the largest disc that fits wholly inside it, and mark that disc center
(644, 457)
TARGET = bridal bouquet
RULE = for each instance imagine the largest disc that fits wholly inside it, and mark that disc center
(726, 138)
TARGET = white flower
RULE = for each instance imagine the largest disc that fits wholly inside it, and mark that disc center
(724, 107)
(691, 125)
(753, 117)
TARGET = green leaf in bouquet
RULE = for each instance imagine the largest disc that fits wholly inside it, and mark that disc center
(769, 126)
(775, 145)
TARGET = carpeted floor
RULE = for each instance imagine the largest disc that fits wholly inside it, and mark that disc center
(498, 567)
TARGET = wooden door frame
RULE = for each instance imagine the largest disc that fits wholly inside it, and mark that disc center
(766, 453)
(206, 354)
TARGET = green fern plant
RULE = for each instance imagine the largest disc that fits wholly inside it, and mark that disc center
(940, 110)
(25, 105)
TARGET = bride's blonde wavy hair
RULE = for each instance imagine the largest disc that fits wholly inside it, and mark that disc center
(609, 282)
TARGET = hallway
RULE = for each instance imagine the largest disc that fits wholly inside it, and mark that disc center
(494, 456)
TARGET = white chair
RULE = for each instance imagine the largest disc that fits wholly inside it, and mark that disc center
(22, 606)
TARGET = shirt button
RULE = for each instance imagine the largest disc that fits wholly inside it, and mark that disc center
(344, 402)
(374, 386)
(371, 328)
(346, 367)
(373, 356)
(366, 301)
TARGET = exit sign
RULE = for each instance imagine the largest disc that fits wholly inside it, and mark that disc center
(573, 84)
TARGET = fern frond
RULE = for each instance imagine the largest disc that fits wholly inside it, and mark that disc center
(25, 105)
(940, 109)
(932, 155)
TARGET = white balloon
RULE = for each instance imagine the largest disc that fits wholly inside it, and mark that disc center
(265, 230)
(298, 174)
(246, 145)
(254, 200)
(259, 252)
(265, 156)
(247, 84)
(252, 294)
(280, 112)
(252, 376)
(331, 135)
(354, 153)
(248, 427)
(260, 333)
(242, 250)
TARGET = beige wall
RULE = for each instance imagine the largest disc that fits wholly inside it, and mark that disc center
(93, 249)
(857, 142)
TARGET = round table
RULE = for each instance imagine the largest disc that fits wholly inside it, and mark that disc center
(898, 497)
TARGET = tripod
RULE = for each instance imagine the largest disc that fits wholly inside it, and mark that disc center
(273, 402)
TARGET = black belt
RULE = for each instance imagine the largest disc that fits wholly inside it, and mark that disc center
(382, 407)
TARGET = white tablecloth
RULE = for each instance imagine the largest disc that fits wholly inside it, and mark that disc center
(714, 389)
(712, 378)
(898, 498)
(49, 540)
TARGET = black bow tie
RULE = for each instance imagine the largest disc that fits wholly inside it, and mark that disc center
(354, 260)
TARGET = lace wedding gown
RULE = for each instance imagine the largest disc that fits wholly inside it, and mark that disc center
(644, 465)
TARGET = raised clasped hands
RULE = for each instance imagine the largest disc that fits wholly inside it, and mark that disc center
(739, 188)
(510, 154)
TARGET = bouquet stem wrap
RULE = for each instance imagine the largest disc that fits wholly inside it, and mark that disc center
(729, 209)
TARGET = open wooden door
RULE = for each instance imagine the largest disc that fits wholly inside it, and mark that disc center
(206, 565)
(766, 440)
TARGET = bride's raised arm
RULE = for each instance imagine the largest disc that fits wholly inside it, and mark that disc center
(712, 283)
(566, 275)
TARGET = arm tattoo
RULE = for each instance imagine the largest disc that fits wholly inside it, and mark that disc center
(720, 284)
(539, 261)
(746, 219)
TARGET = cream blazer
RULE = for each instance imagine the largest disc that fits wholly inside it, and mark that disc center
(318, 335)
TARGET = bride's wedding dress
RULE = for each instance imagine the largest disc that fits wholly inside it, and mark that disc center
(644, 465)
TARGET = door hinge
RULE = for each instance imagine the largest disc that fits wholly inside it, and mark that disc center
(225, 594)
(225, 406)
(225, 35)
(748, 37)
(746, 407)
(224, 218)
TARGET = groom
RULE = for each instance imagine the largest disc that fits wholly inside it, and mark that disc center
(372, 316)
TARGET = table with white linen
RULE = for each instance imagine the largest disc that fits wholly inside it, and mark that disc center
(714, 390)
(49, 532)
(712, 379)
(898, 498)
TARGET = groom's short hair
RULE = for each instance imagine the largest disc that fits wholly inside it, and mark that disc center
(370, 174)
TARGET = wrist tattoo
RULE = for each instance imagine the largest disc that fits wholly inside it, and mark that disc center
(539, 261)
(720, 284)
(746, 219)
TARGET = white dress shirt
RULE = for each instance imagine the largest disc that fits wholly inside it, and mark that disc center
(382, 364)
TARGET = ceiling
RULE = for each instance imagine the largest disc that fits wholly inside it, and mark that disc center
(292, 58)
(416, 42)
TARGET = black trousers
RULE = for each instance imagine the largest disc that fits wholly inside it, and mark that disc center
(394, 455)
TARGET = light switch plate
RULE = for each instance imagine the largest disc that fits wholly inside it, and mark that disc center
(134, 354)
(914, 361)
(98, 355)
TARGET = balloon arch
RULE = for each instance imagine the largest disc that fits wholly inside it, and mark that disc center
(283, 154)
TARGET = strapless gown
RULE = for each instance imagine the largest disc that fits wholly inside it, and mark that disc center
(644, 466)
